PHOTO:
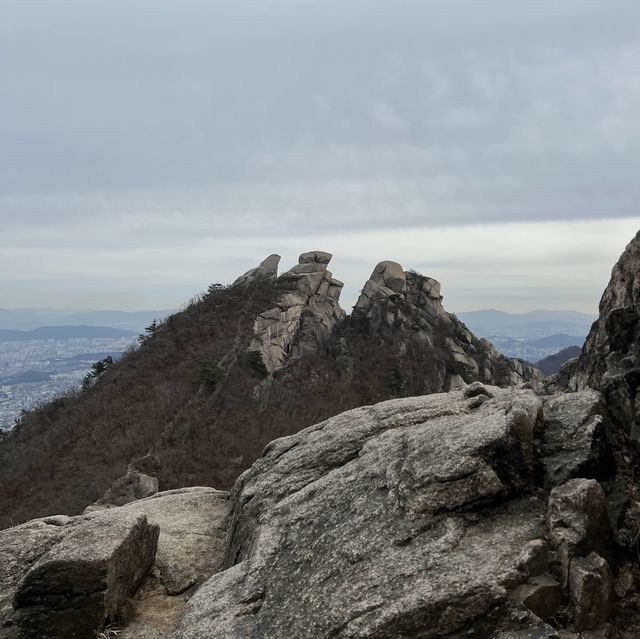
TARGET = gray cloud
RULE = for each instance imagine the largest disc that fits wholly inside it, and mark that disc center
(147, 125)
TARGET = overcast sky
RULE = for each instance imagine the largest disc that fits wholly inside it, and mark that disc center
(150, 147)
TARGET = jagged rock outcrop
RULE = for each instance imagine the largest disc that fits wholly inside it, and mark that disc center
(574, 443)
(305, 314)
(610, 359)
(267, 271)
(410, 303)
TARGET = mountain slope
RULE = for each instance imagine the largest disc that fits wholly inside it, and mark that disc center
(552, 364)
(240, 366)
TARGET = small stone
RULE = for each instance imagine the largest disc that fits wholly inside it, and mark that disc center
(590, 591)
(542, 595)
(578, 521)
(624, 579)
(534, 559)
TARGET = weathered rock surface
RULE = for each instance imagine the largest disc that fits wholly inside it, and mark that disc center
(191, 548)
(590, 587)
(192, 535)
(574, 440)
(20, 549)
(306, 313)
(410, 305)
(266, 270)
(403, 519)
(578, 518)
(542, 595)
(69, 577)
(610, 360)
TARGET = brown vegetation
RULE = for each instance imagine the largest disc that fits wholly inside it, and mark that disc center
(195, 396)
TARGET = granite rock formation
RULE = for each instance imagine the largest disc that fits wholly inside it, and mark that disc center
(420, 517)
(610, 359)
(410, 305)
(68, 577)
(65, 577)
(305, 314)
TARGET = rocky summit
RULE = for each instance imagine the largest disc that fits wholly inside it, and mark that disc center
(458, 508)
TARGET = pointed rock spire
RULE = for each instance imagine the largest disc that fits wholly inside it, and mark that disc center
(305, 314)
(266, 270)
(387, 280)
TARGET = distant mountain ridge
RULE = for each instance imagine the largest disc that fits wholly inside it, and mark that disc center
(63, 332)
(552, 364)
(531, 336)
(494, 317)
(30, 318)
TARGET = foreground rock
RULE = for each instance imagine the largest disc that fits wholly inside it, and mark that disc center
(191, 548)
(73, 576)
(422, 517)
(575, 437)
(69, 577)
(191, 543)
(407, 518)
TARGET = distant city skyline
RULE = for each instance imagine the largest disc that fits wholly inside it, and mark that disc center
(148, 149)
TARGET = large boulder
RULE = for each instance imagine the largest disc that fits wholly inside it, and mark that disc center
(191, 548)
(20, 549)
(192, 534)
(387, 280)
(575, 438)
(408, 518)
(69, 577)
(72, 576)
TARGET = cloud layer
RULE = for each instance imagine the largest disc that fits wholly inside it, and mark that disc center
(146, 128)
